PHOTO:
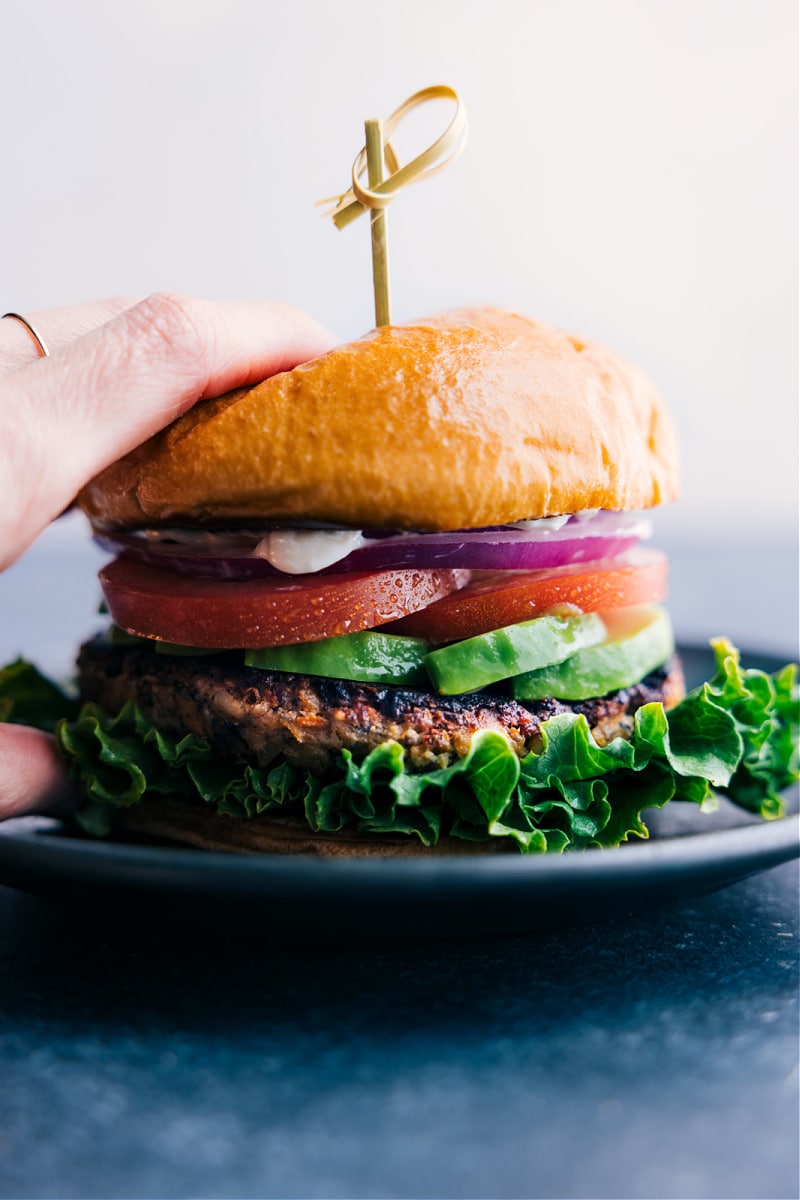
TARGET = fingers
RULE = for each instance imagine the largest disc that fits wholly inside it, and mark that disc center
(68, 416)
(157, 358)
(33, 779)
(57, 327)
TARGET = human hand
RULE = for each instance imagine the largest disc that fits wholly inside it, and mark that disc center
(118, 371)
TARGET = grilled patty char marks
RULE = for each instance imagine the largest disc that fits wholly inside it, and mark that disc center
(257, 716)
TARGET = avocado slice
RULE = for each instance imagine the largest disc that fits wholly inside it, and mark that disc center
(472, 664)
(368, 656)
(638, 641)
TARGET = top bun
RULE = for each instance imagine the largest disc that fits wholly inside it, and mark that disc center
(478, 417)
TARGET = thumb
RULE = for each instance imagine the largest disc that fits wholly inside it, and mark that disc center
(33, 779)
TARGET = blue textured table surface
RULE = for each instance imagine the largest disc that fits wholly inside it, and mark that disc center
(654, 1055)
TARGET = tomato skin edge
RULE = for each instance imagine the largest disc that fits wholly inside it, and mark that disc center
(505, 598)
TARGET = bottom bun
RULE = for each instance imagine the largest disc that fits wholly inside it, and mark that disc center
(203, 828)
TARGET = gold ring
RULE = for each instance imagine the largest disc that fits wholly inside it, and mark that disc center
(37, 337)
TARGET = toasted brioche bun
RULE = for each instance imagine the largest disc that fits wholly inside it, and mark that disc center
(475, 418)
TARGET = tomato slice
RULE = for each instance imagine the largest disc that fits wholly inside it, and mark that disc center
(502, 598)
(230, 614)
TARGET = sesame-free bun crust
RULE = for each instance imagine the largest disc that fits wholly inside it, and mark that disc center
(478, 417)
(200, 826)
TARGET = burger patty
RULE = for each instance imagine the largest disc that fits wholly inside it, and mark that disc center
(259, 716)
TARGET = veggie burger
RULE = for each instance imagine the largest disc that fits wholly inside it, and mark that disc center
(395, 600)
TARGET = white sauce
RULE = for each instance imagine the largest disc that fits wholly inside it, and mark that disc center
(544, 524)
(303, 551)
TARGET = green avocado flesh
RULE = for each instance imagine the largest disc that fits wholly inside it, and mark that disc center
(467, 666)
(627, 655)
(472, 664)
(369, 657)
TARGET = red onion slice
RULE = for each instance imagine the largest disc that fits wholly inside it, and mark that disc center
(526, 546)
(492, 552)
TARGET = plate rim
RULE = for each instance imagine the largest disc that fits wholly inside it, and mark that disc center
(777, 839)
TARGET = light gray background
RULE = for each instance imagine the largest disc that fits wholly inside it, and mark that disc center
(631, 175)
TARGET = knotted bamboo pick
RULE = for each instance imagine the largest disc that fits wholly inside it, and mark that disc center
(380, 190)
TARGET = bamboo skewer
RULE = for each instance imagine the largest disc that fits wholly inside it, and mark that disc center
(380, 255)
